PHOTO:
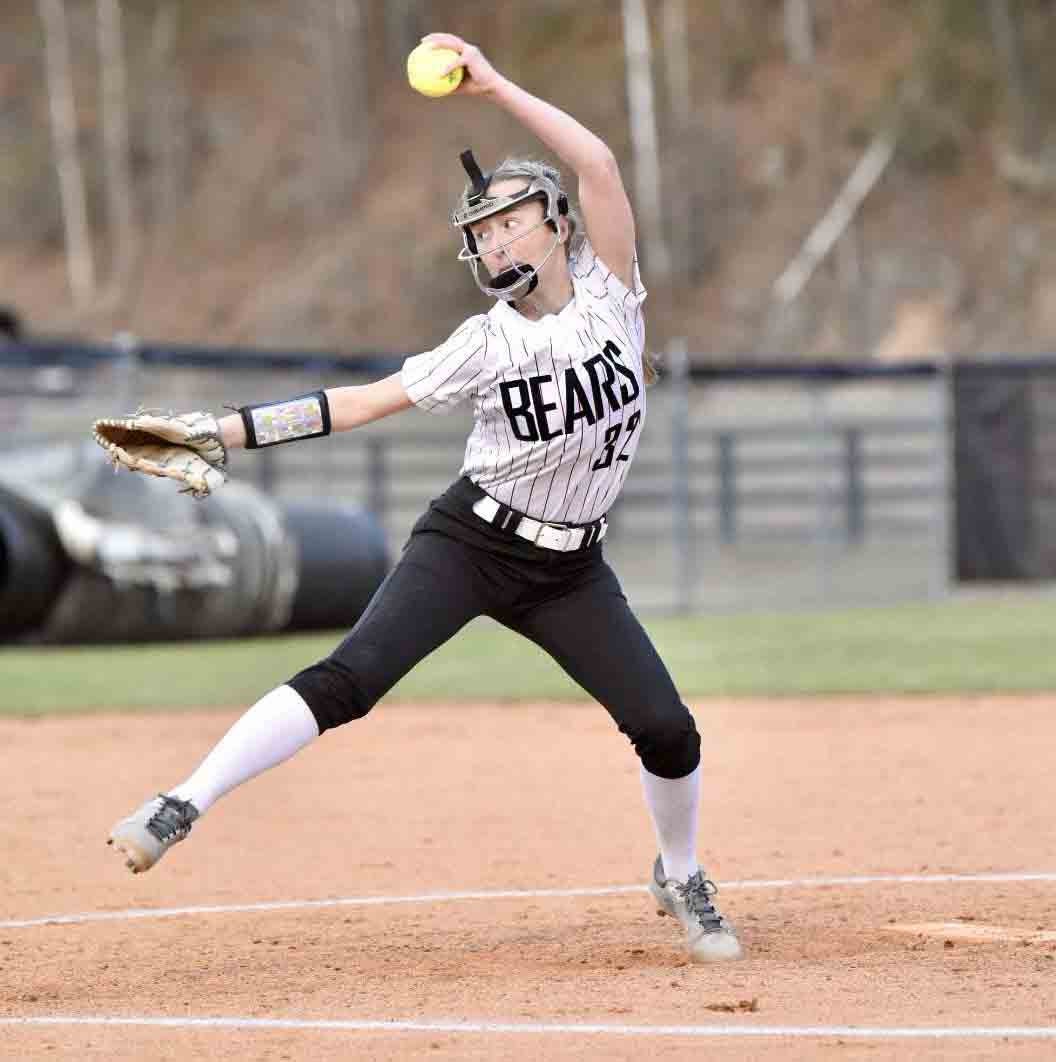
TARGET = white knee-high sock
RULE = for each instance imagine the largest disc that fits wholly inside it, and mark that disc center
(276, 727)
(674, 804)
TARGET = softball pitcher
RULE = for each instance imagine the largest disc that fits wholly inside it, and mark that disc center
(556, 373)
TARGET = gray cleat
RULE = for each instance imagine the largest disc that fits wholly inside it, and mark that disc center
(709, 937)
(147, 834)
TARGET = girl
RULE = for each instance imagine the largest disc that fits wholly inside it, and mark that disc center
(556, 373)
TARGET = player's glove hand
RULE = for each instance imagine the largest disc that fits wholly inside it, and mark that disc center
(187, 448)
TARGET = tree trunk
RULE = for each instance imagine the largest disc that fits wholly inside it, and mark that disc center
(680, 180)
(338, 43)
(644, 140)
(799, 32)
(119, 193)
(166, 150)
(831, 225)
(354, 87)
(166, 145)
(80, 268)
(1008, 41)
(403, 28)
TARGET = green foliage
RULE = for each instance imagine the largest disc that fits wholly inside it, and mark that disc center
(963, 21)
(547, 28)
(738, 65)
(950, 91)
(956, 647)
(963, 80)
(929, 141)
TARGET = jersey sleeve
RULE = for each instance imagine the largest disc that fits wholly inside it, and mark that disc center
(605, 286)
(603, 282)
(637, 292)
(442, 378)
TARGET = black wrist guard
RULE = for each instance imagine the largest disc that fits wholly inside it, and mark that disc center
(270, 423)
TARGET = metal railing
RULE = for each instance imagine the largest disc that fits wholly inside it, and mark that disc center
(767, 490)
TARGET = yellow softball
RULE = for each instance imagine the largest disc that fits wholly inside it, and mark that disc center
(425, 67)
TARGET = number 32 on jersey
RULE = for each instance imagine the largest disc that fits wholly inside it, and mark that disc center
(612, 437)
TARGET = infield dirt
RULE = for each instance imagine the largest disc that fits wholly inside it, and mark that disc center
(434, 798)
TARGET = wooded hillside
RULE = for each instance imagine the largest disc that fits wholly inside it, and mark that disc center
(258, 172)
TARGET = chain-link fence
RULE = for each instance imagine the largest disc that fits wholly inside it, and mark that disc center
(747, 491)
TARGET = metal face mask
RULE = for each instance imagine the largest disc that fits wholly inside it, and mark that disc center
(519, 279)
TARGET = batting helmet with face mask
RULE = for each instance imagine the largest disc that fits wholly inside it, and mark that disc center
(519, 279)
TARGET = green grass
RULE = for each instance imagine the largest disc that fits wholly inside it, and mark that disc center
(969, 645)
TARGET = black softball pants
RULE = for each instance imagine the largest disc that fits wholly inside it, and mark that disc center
(455, 568)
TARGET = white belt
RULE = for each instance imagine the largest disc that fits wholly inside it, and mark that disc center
(562, 539)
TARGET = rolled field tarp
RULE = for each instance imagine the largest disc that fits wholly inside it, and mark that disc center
(153, 565)
(263, 569)
(342, 558)
(33, 565)
(104, 558)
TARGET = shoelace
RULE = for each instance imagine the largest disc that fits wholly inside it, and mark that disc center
(169, 822)
(697, 894)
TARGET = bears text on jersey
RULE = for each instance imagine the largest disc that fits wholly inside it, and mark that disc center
(590, 391)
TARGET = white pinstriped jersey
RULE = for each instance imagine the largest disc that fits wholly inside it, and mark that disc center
(558, 403)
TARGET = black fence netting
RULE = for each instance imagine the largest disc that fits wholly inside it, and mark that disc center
(1005, 461)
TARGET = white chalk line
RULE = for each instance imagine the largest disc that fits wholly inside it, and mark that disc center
(517, 894)
(848, 1032)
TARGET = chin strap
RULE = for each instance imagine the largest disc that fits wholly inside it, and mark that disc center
(512, 278)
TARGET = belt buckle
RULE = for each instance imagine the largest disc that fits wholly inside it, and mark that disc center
(575, 538)
(528, 529)
(552, 538)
